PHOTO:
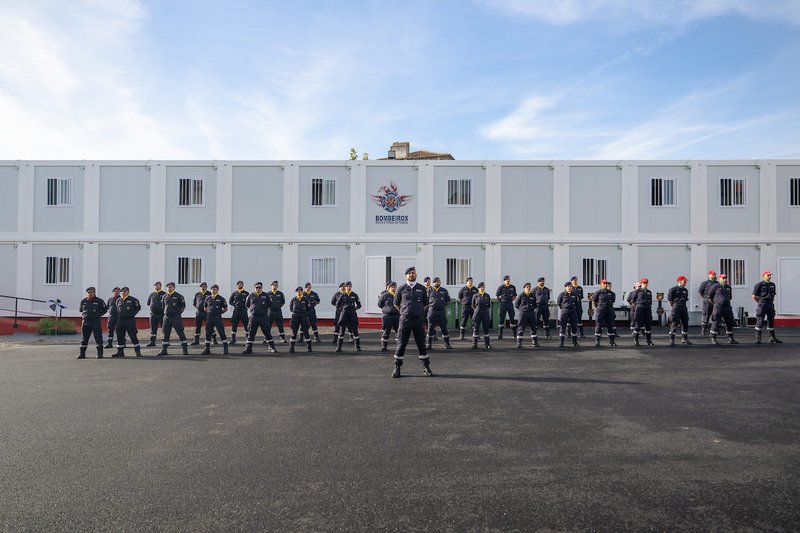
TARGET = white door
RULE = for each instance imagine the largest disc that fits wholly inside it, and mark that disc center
(377, 270)
(787, 286)
(399, 266)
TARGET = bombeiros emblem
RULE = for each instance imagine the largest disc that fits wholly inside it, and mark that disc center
(390, 200)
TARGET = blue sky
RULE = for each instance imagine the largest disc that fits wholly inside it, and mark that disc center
(483, 79)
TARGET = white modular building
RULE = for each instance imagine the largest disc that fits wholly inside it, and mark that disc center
(66, 225)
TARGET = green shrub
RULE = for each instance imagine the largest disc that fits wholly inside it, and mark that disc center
(50, 325)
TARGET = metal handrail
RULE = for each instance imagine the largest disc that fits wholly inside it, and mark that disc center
(16, 307)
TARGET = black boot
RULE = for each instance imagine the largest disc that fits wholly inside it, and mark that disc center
(500, 335)
(291, 345)
(138, 351)
(561, 342)
(672, 339)
(120, 352)
(474, 343)
(110, 343)
(152, 342)
(339, 343)
(575, 341)
(731, 340)
(704, 330)
(519, 342)
(184, 348)
(649, 337)
(611, 341)
(461, 334)
(597, 342)
(384, 346)
(685, 339)
(271, 347)
(535, 342)
(636, 338)
(486, 342)
(316, 337)
(233, 339)
(714, 338)
(352, 339)
(446, 339)
(429, 343)
(283, 338)
(163, 351)
(335, 338)
(514, 332)
(773, 339)
(82, 353)
(396, 371)
(308, 345)
(248, 348)
(357, 341)
(99, 352)
(225, 348)
(214, 339)
(546, 333)
(426, 368)
(580, 331)
(207, 351)
(196, 340)
(758, 337)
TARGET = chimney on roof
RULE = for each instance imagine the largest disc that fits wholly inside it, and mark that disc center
(400, 149)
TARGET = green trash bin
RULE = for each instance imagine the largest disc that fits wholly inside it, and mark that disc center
(451, 315)
(494, 318)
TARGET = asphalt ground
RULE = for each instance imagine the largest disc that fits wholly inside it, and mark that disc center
(698, 438)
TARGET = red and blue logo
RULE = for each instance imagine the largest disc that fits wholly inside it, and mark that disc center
(389, 199)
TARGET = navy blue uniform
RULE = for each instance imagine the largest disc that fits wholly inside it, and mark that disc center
(215, 307)
(525, 305)
(348, 305)
(337, 312)
(482, 308)
(568, 304)
(438, 300)
(542, 310)
(506, 296)
(91, 311)
(127, 309)
(604, 300)
(720, 297)
(275, 315)
(300, 309)
(643, 310)
(391, 317)
(156, 313)
(258, 305)
(577, 290)
(313, 302)
(708, 307)
(765, 291)
(632, 309)
(412, 301)
(174, 305)
(238, 301)
(200, 315)
(465, 296)
(111, 303)
(678, 298)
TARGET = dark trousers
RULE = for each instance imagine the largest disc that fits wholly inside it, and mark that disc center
(300, 322)
(127, 326)
(389, 323)
(276, 317)
(91, 327)
(156, 321)
(336, 316)
(199, 318)
(466, 313)
(312, 319)
(643, 318)
(112, 326)
(348, 320)
(481, 318)
(765, 312)
(722, 313)
(526, 319)
(214, 322)
(680, 317)
(437, 318)
(407, 327)
(256, 322)
(605, 318)
(238, 316)
(568, 318)
(708, 308)
(541, 313)
(506, 310)
(173, 322)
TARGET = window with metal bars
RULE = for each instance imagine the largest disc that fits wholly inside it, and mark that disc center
(190, 270)
(323, 192)
(794, 192)
(59, 192)
(594, 270)
(735, 269)
(459, 191)
(457, 271)
(323, 271)
(57, 270)
(733, 192)
(663, 192)
(190, 192)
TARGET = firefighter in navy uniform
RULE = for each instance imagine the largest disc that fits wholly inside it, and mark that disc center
(391, 316)
(427, 283)
(604, 300)
(348, 304)
(568, 303)
(438, 298)
(300, 307)
(238, 301)
(337, 312)
(525, 304)
(258, 304)
(542, 311)
(276, 302)
(215, 307)
(506, 293)
(91, 309)
(678, 298)
(764, 295)
(112, 316)
(720, 296)
(643, 313)
(174, 305)
(412, 302)
(631, 307)
(200, 315)
(127, 309)
(313, 302)
(482, 310)
(708, 307)
(465, 296)
(156, 312)
(577, 290)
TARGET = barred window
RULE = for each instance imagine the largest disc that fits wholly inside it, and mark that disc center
(59, 192)
(594, 270)
(190, 270)
(735, 269)
(733, 192)
(794, 192)
(190, 192)
(57, 270)
(458, 270)
(663, 192)
(459, 191)
(323, 271)
(323, 192)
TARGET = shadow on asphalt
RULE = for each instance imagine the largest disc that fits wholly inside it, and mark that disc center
(537, 379)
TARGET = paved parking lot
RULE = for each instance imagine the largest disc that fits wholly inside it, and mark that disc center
(694, 438)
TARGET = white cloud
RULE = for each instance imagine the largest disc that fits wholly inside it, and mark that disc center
(564, 12)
